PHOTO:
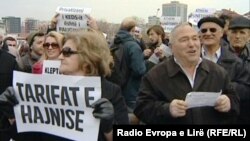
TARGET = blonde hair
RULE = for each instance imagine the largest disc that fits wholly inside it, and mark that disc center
(59, 39)
(93, 52)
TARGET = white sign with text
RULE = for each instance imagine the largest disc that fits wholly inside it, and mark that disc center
(200, 13)
(48, 104)
(169, 22)
(51, 66)
(72, 18)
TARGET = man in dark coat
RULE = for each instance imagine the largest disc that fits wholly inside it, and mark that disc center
(135, 62)
(239, 36)
(161, 98)
(7, 65)
(134, 58)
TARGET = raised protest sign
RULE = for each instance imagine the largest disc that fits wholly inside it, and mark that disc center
(169, 22)
(72, 18)
(48, 104)
(199, 13)
(51, 66)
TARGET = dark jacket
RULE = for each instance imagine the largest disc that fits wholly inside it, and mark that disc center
(238, 73)
(7, 65)
(135, 63)
(244, 117)
(233, 65)
(166, 82)
(109, 90)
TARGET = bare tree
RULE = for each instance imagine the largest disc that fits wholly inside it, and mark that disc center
(109, 28)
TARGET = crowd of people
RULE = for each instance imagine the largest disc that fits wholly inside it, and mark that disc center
(161, 73)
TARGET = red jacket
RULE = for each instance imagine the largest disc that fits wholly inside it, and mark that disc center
(37, 68)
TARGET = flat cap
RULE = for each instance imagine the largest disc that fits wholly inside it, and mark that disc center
(239, 22)
(211, 19)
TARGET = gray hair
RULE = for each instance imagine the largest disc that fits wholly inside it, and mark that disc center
(173, 32)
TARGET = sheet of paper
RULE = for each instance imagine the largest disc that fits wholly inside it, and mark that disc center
(153, 58)
(199, 99)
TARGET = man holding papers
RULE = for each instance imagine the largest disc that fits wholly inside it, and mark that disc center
(161, 99)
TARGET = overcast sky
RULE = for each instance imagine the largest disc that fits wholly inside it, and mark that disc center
(110, 10)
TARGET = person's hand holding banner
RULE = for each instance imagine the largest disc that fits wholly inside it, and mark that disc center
(53, 23)
(104, 110)
(7, 102)
(91, 22)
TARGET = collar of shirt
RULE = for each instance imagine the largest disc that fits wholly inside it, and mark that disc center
(214, 58)
(190, 78)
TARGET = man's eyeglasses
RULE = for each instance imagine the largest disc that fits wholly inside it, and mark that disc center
(53, 45)
(204, 30)
(67, 52)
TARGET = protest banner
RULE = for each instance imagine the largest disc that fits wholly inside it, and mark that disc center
(169, 22)
(71, 18)
(199, 13)
(48, 104)
(51, 66)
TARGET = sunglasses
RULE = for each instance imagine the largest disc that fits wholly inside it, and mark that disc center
(53, 45)
(204, 30)
(67, 52)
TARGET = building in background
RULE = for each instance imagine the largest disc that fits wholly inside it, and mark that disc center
(30, 25)
(12, 24)
(175, 8)
(2, 28)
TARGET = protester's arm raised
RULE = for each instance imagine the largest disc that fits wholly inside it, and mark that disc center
(92, 22)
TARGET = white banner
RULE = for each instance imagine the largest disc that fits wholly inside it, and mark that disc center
(169, 22)
(73, 10)
(199, 13)
(72, 18)
(48, 104)
(51, 66)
